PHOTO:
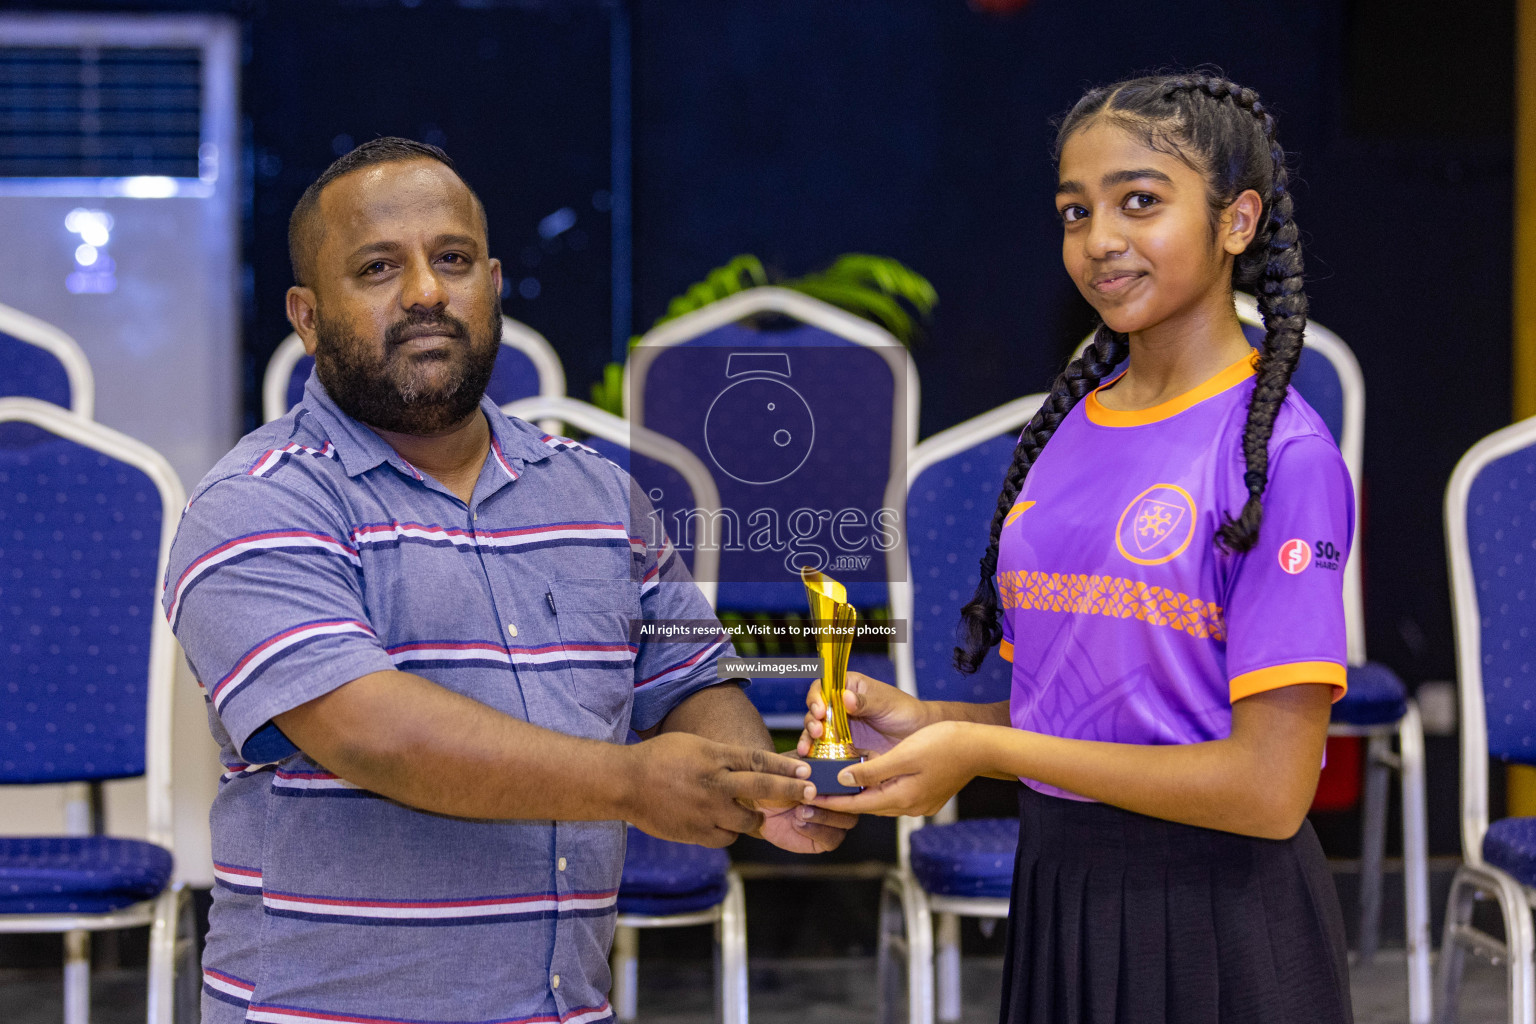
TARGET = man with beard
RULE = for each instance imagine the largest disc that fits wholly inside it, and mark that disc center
(411, 616)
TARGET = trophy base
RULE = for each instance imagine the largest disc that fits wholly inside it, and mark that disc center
(824, 774)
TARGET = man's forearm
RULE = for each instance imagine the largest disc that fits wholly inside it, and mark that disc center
(406, 738)
(964, 711)
(720, 713)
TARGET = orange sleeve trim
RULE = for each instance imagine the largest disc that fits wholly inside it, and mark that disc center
(1006, 651)
(1276, 676)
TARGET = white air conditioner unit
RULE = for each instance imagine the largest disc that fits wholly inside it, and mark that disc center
(119, 216)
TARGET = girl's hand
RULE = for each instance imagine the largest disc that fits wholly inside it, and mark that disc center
(879, 714)
(917, 776)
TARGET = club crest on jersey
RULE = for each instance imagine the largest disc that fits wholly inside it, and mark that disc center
(1157, 525)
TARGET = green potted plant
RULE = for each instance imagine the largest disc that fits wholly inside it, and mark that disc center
(874, 287)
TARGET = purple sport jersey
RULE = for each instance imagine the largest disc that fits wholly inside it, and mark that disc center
(1123, 620)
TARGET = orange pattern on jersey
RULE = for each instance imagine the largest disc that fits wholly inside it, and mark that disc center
(1113, 596)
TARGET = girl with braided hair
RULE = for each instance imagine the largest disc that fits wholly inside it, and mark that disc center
(1165, 575)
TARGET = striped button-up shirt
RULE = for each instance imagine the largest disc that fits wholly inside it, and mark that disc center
(314, 554)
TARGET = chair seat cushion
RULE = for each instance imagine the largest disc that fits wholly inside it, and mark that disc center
(79, 874)
(968, 858)
(1375, 697)
(773, 696)
(1510, 844)
(662, 877)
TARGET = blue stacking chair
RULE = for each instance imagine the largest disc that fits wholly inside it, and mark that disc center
(526, 366)
(43, 362)
(817, 411)
(1490, 531)
(676, 885)
(1376, 707)
(947, 867)
(88, 516)
(665, 884)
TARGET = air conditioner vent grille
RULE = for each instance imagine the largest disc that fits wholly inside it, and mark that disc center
(100, 112)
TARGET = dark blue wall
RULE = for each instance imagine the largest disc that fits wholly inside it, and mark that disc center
(801, 129)
(798, 130)
(518, 96)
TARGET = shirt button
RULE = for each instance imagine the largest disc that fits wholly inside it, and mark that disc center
(555, 981)
(561, 864)
(511, 629)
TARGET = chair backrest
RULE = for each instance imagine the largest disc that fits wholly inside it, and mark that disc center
(803, 424)
(43, 362)
(1490, 533)
(1328, 377)
(525, 366)
(950, 495)
(674, 479)
(87, 516)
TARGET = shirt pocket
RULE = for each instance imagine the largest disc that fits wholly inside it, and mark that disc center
(593, 618)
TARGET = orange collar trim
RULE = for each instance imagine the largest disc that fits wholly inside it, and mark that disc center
(1103, 416)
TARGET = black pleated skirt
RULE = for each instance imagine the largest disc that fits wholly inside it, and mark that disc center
(1118, 917)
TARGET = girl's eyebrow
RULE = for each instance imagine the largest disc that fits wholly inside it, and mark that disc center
(1140, 174)
(1114, 178)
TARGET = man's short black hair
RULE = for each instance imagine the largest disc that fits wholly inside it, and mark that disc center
(304, 228)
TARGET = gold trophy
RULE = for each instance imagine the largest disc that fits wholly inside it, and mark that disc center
(835, 750)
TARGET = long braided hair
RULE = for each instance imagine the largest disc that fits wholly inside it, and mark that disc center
(1225, 132)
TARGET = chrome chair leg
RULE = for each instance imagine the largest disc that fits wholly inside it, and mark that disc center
(891, 944)
(77, 977)
(919, 953)
(1373, 838)
(732, 932)
(1516, 950)
(1520, 939)
(946, 967)
(1453, 952)
(162, 956)
(624, 963)
(1416, 943)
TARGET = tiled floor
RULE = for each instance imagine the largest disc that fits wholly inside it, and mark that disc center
(836, 991)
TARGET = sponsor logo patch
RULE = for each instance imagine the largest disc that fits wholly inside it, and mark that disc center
(1295, 555)
(1328, 556)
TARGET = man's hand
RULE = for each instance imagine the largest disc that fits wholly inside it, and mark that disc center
(879, 714)
(692, 790)
(806, 829)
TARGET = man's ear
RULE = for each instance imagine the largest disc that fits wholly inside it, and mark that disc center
(301, 314)
(496, 276)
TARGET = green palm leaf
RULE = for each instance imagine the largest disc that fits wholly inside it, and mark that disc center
(743, 272)
(888, 275)
(860, 300)
(608, 393)
(877, 288)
